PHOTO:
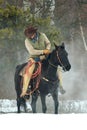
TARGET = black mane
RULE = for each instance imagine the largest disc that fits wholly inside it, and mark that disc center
(45, 62)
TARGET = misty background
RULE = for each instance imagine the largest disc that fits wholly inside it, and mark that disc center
(70, 18)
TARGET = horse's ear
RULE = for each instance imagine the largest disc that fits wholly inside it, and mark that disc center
(63, 45)
(55, 45)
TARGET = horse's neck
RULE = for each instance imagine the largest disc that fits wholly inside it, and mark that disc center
(52, 72)
(49, 71)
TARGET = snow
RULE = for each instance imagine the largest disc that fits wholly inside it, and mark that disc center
(23, 121)
(43, 121)
(9, 106)
(69, 106)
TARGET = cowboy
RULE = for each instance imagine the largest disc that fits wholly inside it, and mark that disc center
(38, 45)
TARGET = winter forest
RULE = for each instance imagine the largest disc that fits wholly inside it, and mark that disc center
(62, 21)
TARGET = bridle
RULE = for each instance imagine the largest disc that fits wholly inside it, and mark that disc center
(55, 66)
(59, 62)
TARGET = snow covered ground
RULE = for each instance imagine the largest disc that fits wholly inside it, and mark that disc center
(71, 121)
(43, 121)
(69, 106)
(10, 106)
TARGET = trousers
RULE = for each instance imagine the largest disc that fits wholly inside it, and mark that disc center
(27, 76)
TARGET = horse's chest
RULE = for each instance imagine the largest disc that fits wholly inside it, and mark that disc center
(48, 86)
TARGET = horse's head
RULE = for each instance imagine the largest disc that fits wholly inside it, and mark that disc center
(59, 56)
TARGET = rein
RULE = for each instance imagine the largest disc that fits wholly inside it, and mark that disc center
(52, 65)
(60, 61)
(55, 66)
(47, 80)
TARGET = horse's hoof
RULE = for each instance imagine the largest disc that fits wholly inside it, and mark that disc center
(21, 108)
(28, 107)
(49, 95)
(61, 90)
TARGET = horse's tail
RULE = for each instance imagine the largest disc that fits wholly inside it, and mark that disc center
(17, 78)
(19, 68)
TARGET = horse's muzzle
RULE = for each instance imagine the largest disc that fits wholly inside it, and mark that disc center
(67, 68)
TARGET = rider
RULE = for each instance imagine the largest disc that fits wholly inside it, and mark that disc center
(38, 45)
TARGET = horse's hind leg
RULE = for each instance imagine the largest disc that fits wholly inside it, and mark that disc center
(18, 105)
(56, 103)
(17, 80)
(21, 101)
(43, 101)
(33, 103)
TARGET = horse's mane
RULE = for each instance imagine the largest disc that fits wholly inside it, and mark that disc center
(45, 63)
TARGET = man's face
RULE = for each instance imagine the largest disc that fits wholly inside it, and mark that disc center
(31, 36)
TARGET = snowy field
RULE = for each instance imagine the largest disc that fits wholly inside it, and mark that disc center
(69, 117)
(65, 107)
(43, 121)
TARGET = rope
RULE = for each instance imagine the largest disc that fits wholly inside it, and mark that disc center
(38, 71)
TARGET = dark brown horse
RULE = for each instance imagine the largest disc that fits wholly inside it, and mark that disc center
(48, 80)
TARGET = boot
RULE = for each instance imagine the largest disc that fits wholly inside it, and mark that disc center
(61, 90)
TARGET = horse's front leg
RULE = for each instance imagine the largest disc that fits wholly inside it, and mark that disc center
(24, 104)
(33, 103)
(43, 101)
(56, 102)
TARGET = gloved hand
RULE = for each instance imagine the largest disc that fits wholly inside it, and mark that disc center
(46, 51)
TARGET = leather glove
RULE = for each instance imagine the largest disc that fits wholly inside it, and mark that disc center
(46, 51)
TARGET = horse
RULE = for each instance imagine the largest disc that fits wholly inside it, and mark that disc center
(49, 81)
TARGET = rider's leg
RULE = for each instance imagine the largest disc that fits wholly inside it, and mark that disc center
(61, 89)
(27, 78)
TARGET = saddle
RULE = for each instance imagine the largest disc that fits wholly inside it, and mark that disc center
(23, 68)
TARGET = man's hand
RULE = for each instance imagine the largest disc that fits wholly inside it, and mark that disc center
(46, 51)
